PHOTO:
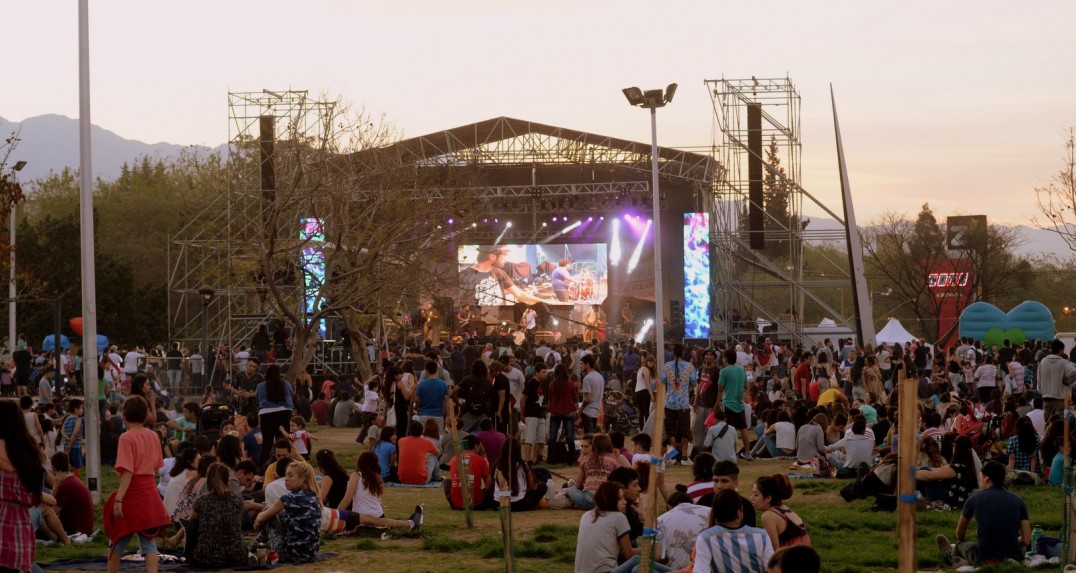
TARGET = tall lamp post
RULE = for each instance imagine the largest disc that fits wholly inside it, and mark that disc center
(11, 290)
(652, 100)
(207, 293)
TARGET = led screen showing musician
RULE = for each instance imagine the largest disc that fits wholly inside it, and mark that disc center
(556, 274)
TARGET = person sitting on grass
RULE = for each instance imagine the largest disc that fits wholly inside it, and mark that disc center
(784, 527)
(727, 476)
(418, 457)
(682, 524)
(363, 496)
(629, 478)
(515, 480)
(479, 478)
(1004, 528)
(729, 541)
(73, 502)
(334, 478)
(217, 539)
(385, 448)
(293, 522)
(594, 468)
(603, 538)
(701, 488)
(795, 559)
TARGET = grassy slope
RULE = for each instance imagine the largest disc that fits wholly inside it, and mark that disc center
(849, 537)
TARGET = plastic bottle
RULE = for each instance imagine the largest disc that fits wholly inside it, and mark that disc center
(1036, 535)
(550, 489)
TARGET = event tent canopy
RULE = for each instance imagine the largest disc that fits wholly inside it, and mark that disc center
(894, 333)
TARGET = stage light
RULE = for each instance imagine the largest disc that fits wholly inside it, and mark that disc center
(485, 220)
(451, 220)
(646, 328)
(544, 224)
(601, 218)
(638, 252)
(474, 225)
(590, 219)
(496, 220)
(508, 225)
(554, 219)
(614, 244)
(574, 225)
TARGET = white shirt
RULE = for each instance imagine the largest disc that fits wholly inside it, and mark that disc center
(130, 362)
(786, 435)
(241, 359)
(681, 526)
(369, 402)
(516, 380)
(364, 502)
(171, 493)
(275, 490)
(1037, 420)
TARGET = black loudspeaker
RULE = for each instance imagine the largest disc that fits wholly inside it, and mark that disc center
(756, 216)
(676, 314)
(267, 139)
(700, 342)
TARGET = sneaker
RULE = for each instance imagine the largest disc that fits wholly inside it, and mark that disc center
(746, 457)
(686, 462)
(417, 518)
(945, 547)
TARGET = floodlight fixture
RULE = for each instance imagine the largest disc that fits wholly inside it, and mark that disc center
(18, 166)
(634, 95)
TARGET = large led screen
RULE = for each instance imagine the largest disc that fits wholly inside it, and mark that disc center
(696, 275)
(557, 274)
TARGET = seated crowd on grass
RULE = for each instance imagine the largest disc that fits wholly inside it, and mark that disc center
(508, 415)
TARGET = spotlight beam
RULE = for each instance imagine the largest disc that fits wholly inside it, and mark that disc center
(614, 247)
(638, 252)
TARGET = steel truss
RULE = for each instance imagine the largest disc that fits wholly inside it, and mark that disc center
(213, 249)
(793, 288)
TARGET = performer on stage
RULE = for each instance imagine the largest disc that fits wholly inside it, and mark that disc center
(627, 320)
(463, 318)
(591, 322)
(431, 324)
(529, 323)
(562, 280)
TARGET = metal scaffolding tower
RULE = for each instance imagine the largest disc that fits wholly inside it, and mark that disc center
(790, 282)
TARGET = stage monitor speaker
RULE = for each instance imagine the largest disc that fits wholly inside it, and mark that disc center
(267, 140)
(700, 342)
(756, 215)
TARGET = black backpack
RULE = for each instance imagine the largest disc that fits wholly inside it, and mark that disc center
(478, 396)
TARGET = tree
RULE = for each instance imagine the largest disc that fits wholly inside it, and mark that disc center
(374, 222)
(775, 194)
(1057, 201)
(902, 254)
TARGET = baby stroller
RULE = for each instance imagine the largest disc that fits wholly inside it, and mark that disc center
(620, 414)
(212, 417)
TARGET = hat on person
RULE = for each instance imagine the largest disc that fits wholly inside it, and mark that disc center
(493, 249)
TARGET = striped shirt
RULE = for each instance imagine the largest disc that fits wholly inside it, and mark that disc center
(742, 550)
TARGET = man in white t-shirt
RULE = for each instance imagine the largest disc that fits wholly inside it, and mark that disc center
(516, 379)
(742, 358)
(131, 361)
(241, 358)
(682, 525)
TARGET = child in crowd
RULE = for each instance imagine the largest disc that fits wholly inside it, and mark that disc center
(371, 403)
(209, 396)
(386, 454)
(294, 520)
(252, 440)
(364, 490)
(135, 509)
(300, 438)
(71, 432)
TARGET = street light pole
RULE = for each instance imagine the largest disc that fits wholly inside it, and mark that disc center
(652, 100)
(207, 294)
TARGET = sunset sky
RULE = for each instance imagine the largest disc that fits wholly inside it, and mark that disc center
(962, 104)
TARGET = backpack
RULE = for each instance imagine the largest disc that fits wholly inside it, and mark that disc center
(478, 397)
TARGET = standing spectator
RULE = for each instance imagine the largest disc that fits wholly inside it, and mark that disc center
(593, 394)
(21, 476)
(644, 387)
(431, 394)
(534, 413)
(562, 409)
(1056, 375)
(143, 516)
(706, 397)
(275, 406)
(501, 400)
(71, 431)
(679, 377)
(476, 391)
(23, 366)
(731, 382)
(196, 364)
(174, 364)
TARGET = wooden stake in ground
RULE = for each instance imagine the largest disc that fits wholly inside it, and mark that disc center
(505, 484)
(650, 517)
(463, 467)
(1067, 533)
(906, 457)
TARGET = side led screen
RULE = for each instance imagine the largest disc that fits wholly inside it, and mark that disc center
(312, 263)
(696, 275)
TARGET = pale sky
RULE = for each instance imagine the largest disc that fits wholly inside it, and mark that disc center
(961, 104)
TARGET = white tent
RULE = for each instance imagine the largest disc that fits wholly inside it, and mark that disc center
(894, 333)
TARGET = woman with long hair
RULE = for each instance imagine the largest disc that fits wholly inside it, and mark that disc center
(21, 475)
(363, 496)
(385, 450)
(959, 477)
(594, 469)
(1023, 448)
(644, 387)
(304, 395)
(514, 479)
(183, 470)
(219, 514)
(334, 478)
(603, 532)
(405, 392)
(276, 401)
(781, 523)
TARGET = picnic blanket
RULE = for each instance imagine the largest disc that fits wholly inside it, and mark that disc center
(101, 564)
(424, 486)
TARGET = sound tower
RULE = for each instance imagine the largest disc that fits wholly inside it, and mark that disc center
(756, 216)
(267, 139)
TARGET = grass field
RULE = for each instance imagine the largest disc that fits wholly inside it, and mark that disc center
(849, 537)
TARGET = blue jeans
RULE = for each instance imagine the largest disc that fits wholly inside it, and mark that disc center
(632, 566)
(582, 499)
(568, 422)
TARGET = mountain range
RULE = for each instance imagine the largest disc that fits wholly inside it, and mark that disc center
(49, 143)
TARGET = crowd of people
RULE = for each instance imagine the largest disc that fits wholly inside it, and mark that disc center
(485, 422)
